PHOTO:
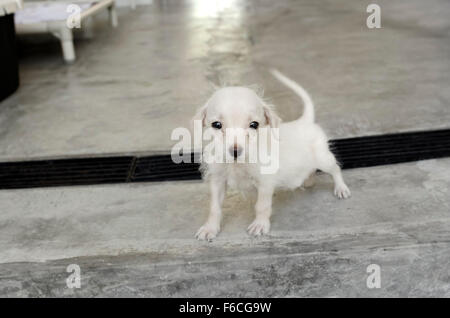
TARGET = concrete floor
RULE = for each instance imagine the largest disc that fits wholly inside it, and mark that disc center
(137, 240)
(129, 88)
(132, 86)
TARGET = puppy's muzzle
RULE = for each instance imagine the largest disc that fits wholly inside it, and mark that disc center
(235, 151)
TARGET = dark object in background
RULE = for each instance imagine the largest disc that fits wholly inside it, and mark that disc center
(9, 67)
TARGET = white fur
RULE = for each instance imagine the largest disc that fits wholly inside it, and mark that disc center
(303, 148)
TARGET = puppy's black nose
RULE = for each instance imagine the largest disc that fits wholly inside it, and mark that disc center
(235, 151)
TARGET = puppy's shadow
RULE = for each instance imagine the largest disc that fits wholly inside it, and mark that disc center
(288, 206)
(238, 207)
(299, 207)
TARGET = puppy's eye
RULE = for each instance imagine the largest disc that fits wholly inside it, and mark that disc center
(254, 125)
(217, 125)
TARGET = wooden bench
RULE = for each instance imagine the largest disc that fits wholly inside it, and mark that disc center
(53, 17)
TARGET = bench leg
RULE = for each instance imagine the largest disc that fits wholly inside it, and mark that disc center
(68, 49)
(113, 15)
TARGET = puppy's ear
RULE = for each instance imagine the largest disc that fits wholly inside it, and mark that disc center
(272, 119)
(200, 115)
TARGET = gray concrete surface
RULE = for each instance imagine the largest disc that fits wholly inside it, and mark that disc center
(131, 87)
(137, 240)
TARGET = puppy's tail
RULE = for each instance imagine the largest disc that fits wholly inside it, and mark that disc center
(308, 111)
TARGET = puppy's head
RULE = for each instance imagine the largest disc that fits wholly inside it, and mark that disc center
(235, 113)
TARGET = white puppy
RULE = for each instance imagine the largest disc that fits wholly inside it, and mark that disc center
(235, 112)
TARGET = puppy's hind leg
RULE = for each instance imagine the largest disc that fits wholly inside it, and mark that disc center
(310, 181)
(212, 226)
(327, 163)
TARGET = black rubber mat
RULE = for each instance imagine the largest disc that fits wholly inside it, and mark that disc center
(392, 148)
(161, 168)
(64, 172)
(351, 153)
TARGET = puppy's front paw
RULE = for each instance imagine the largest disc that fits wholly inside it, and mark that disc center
(342, 191)
(259, 226)
(207, 232)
